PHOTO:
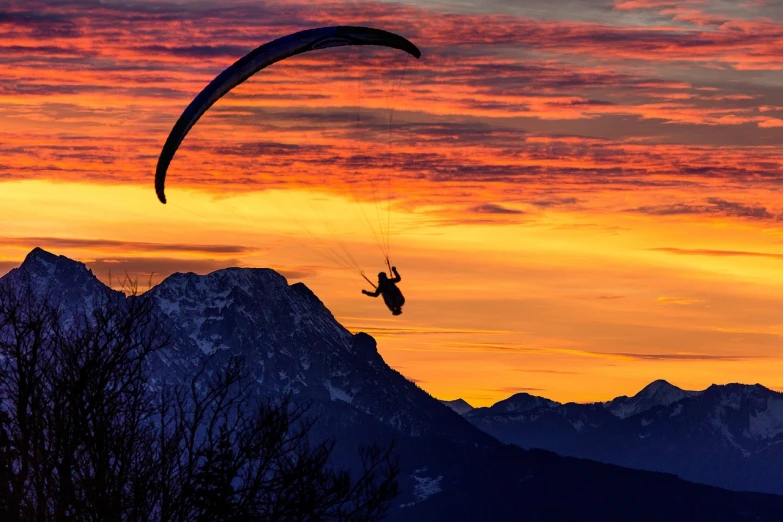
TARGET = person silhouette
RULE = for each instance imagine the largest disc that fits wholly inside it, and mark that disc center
(388, 288)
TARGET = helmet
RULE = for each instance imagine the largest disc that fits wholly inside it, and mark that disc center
(381, 275)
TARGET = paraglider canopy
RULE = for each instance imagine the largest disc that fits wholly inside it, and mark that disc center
(260, 58)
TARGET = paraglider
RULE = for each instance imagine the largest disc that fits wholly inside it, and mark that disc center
(387, 287)
(262, 57)
(258, 59)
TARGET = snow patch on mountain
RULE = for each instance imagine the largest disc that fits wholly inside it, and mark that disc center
(718, 420)
(426, 487)
(336, 394)
(768, 423)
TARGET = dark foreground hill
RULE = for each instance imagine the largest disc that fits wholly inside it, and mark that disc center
(450, 470)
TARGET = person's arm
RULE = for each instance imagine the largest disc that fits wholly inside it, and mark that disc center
(397, 277)
(372, 294)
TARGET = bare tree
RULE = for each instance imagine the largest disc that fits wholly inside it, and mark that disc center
(86, 435)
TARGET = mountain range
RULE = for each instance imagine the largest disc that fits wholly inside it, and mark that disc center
(450, 469)
(727, 435)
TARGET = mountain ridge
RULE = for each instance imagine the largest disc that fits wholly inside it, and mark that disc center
(728, 435)
(293, 344)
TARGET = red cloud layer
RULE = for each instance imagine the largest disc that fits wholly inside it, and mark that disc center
(89, 92)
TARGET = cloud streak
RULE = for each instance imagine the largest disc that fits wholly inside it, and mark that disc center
(712, 206)
(491, 208)
(684, 357)
(716, 253)
(122, 246)
(517, 389)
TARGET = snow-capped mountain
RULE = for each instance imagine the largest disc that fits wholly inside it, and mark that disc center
(729, 436)
(292, 343)
(657, 393)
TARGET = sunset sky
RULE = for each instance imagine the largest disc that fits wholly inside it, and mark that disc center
(581, 196)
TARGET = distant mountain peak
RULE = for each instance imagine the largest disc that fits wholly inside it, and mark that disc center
(659, 383)
(39, 255)
(657, 393)
(734, 386)
(521, 402)
(71, 282)
(43, 263)
(459, 405)
(236, 276)
(519, 396)
(658, 387)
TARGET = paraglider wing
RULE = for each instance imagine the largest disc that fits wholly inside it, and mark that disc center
(260, 58)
